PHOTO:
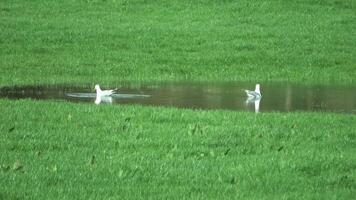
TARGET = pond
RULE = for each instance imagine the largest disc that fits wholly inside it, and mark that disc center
(280, 97)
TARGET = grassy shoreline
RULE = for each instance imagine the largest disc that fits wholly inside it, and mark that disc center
(73, 150)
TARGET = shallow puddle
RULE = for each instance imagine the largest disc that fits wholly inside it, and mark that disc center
(279, 97)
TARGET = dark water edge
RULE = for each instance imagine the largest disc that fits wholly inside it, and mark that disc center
(276, 97)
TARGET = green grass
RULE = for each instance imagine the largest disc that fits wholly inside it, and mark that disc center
(57, 150)
(62, 150)
(108, 41)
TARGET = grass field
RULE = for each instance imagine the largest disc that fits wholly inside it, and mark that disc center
(72, 151)
(62, 150)
(109, 41)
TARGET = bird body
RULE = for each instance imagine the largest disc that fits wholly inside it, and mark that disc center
(103, 93)
(254, 94)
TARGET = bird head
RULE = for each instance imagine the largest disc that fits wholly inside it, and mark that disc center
(257, 89)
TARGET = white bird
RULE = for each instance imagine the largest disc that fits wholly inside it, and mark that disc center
(254, 94)
(102, 93)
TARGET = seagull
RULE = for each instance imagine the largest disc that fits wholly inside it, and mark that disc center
(103, 93)
(254, 94)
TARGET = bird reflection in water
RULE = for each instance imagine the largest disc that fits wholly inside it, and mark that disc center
(103, 99)
(255, 101)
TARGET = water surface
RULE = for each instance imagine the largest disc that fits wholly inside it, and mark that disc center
(281, 97)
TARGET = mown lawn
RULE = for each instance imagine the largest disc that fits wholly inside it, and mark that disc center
(62, 150)
(58, 150)
(107, 41)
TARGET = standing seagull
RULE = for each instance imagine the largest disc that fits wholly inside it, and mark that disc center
(103, 93)
(254, 94)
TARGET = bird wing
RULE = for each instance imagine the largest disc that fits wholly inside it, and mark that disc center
(252, 93)
(107, 92)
